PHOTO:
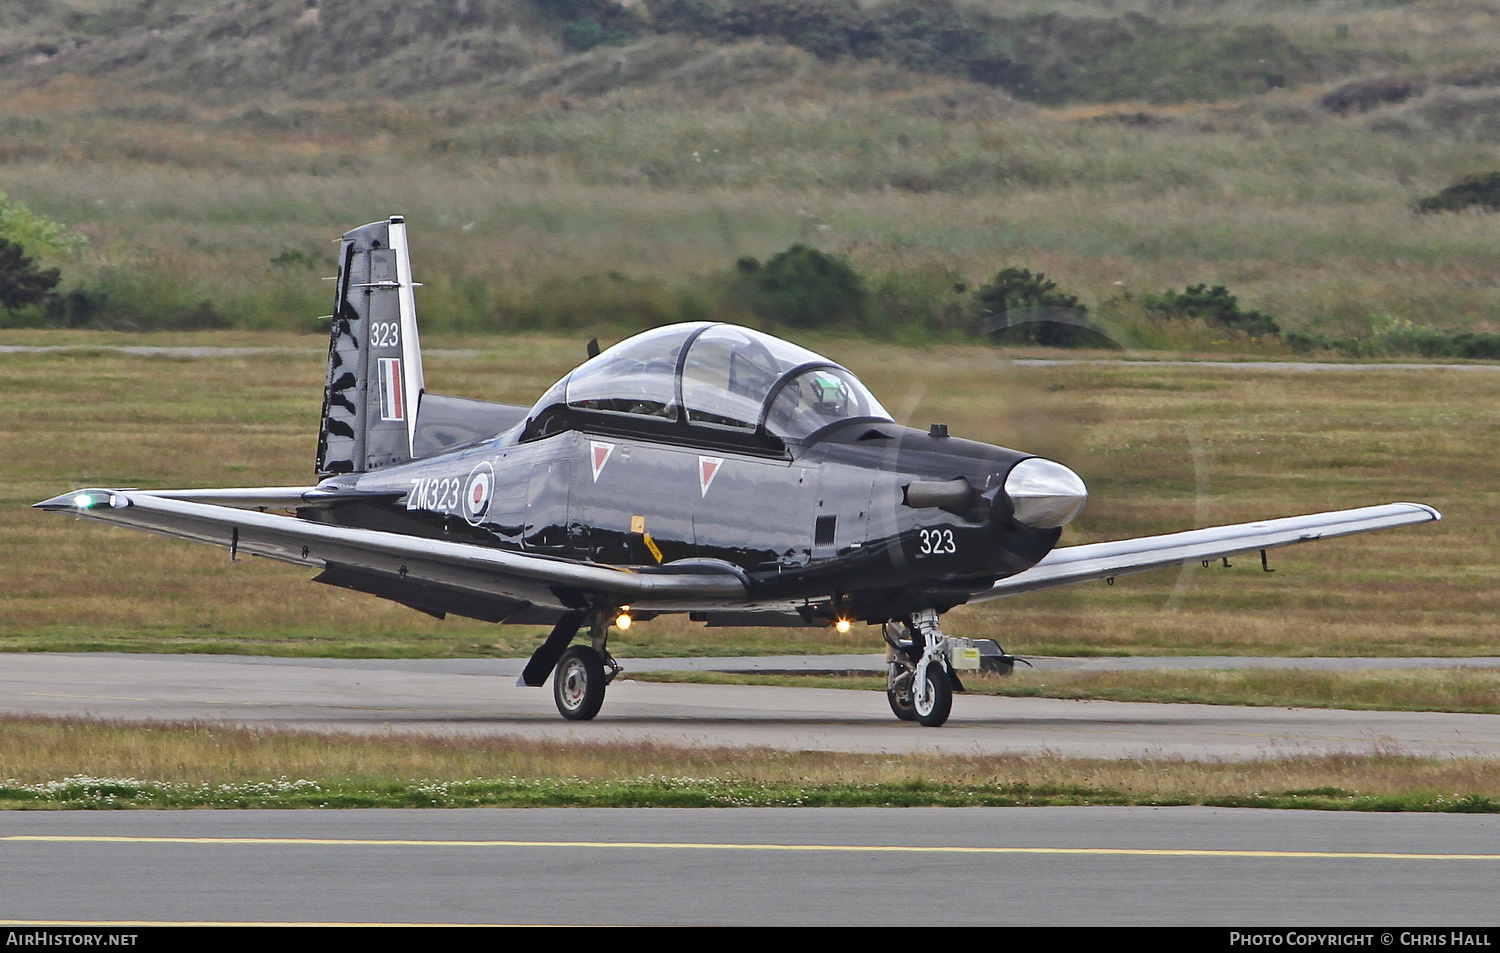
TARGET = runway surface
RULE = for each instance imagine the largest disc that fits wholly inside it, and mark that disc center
(826, 866)
(480, 697)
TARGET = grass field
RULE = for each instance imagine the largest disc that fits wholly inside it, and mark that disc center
(628, 203)
(50, 764)
(581, 200)
(1163, 448)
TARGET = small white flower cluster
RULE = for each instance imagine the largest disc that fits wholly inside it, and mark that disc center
(111, 791)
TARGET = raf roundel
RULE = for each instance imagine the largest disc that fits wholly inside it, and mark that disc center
(477, 493)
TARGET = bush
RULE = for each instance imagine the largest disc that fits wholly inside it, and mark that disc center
(1482, 190)
(43, 236)
(1395, 337)
(1365, 95)
(1215, 306)
(803, 287)
(1020, 307)
(79, 308)
(22, 283)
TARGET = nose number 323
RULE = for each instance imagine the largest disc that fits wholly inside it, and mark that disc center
(935, 542)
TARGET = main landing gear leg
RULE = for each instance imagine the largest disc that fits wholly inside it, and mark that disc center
(582, 674)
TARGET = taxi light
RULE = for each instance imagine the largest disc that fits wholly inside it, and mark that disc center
(842, 626)
(622, 621)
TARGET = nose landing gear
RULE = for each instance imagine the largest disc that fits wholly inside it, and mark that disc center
(919, 679)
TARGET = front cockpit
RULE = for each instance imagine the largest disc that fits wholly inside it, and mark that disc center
(716, 381)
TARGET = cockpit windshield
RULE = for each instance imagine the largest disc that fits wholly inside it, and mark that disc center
(717, 377)
(817, 397)
(636, 376)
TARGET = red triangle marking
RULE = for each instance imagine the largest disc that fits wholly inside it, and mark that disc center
(708, 468)
(601, 452)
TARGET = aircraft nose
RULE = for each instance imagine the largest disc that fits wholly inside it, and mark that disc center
(1044, 494)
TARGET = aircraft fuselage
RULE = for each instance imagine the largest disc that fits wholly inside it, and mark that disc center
(814, 521)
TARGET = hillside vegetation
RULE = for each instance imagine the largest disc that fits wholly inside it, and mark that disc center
(590, 164)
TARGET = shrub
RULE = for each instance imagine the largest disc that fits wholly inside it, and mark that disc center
(79, 308)
(1394, 337)
(1212, 305)
(22, 283)
(1482, 190)
(43, 236)
(1365, 95)
(803, 287)
(1020, 307)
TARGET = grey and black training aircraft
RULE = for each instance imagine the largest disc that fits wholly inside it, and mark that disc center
(700, 468)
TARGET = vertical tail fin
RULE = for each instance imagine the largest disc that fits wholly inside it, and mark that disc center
(374, 386)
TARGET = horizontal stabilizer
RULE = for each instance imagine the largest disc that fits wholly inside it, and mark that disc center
(448, 422)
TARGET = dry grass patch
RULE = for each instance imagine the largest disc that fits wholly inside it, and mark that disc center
(1162, 449)
(76, 763)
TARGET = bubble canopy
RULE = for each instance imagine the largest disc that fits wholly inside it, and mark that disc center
(718, 377)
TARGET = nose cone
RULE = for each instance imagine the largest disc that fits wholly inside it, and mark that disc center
(1044, 494)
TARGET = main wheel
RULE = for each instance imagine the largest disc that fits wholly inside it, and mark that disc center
(934, 711)
(902, 703)
(578, 684)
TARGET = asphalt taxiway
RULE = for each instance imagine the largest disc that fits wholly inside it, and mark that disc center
(824, 866)
(480, 697)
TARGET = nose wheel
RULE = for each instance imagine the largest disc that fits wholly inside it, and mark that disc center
(917, 683)
(931, 707)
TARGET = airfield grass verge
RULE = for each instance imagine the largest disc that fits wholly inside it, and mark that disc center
(79, 764)
(1163, 448)
(1457, 690)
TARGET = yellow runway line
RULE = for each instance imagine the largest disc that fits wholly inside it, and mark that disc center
(692, 845)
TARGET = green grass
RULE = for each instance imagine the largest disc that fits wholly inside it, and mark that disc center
(76, 764)
(1265, 443)
(629, 207)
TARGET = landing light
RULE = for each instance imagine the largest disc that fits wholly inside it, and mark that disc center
(842, 626)
(622, 621)
(83, 501)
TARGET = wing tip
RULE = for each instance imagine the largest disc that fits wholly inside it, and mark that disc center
(87, 498)
(1432, 514)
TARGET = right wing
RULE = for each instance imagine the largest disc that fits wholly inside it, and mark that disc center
(1075, 564)
(434, 575)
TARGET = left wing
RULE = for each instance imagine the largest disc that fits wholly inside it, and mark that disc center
(1074, 564)
(434, 575)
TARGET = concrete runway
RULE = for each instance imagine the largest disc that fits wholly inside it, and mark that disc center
(480, 697)
(825, 866)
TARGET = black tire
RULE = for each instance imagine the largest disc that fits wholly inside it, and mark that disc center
(578, 683)
(939, 698)
(900, 699)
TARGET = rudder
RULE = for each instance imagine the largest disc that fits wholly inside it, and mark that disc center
(374, 384)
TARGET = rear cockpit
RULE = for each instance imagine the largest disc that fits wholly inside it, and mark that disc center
(716, 382)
